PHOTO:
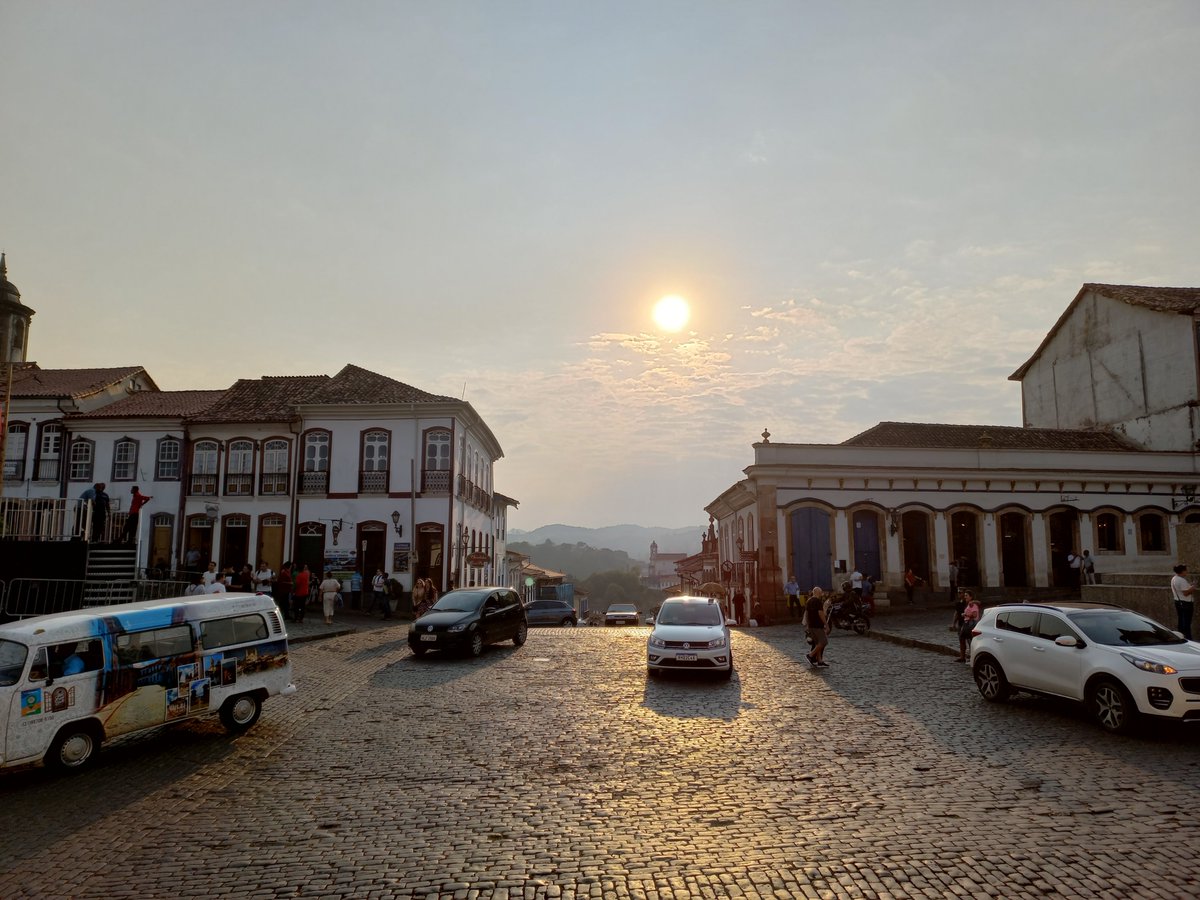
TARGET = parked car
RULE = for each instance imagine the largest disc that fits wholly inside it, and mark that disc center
(468, 620)
(690, 633)
(1117, 662)
(551, 612)
(622, 614)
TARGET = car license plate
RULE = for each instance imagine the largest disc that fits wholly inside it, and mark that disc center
(685, 657)
(429, 637)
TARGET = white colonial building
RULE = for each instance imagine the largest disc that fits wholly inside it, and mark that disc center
(1107, 463)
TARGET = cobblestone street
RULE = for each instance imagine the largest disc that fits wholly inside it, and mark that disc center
(559, 770)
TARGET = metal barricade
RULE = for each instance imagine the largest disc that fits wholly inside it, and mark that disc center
(25, 597)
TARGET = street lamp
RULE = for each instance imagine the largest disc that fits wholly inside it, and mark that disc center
(396, 523)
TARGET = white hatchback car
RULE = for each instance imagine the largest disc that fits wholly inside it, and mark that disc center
(1117, 662)
(690, 633)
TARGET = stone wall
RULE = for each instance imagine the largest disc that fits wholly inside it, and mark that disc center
(1150, 593)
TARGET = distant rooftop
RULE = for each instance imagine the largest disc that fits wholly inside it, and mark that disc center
(909, 435)
(150, 404)
(31, 380)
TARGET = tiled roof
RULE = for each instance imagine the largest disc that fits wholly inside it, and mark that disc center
(271, 398)
(909, 435)
(1183, 301)
(150, 404)
(355, 385)
(30, 380)
(1163, 299)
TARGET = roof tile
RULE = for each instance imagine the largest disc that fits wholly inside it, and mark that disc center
(910, 435)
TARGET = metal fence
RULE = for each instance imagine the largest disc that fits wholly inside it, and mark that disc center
(25, 597)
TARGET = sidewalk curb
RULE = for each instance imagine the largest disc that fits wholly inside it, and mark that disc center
(912, 642)
(320, 635)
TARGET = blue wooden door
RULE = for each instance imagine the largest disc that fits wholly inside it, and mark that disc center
(811, 551)
(866, 543)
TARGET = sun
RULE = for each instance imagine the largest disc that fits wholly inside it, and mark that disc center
(671, 313)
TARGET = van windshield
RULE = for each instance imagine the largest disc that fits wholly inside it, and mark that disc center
(12, 661)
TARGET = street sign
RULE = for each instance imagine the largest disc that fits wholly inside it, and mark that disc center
(478, 559)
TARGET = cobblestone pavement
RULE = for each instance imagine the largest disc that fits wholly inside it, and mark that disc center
(558, 770)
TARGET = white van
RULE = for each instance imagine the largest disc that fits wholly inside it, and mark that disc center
(72, 680)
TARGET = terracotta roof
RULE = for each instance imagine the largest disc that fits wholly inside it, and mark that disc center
(1183, 301)
(908, 435)
(268, 399)
(355, 385)
(30, 380)
(153, 404)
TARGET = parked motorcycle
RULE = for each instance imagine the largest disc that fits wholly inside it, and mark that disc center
(850, 613)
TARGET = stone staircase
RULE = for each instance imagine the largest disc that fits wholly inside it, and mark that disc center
(110, 574)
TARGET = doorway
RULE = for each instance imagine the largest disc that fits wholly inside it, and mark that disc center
(914, 543)
(372, 548)
(964, 546)
(1064, 537)
(867, 556)
(1014, 550)
(310, 548)
(430, 537)
(199, 542)
(270, 541)
(235, 541)
(811, 549)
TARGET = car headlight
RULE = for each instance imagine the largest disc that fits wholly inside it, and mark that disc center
(657, 642)
(461, 626)
(1149, 665)
(716, 643)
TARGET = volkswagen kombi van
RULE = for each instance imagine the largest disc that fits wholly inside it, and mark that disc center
(72, 680)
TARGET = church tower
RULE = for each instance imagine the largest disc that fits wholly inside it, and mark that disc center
(14, 320)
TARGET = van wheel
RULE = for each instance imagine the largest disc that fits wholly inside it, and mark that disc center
(73, 750)
(522, 633)
(240, 712)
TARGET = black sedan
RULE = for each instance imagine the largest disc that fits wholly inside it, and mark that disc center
(468, 620)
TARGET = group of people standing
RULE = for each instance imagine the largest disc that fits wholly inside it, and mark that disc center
(97, 495)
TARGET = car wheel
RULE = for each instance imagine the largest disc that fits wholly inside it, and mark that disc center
(1111, 706)
(728, 673)
(521, 633)
(567, 623)
(476, 646)
(990, 680)
(240, 712)
(417, 649)
(73, 750)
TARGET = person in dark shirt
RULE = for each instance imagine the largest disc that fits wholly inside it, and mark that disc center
(814, 618)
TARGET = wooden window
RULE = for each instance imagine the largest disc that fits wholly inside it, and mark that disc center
(167, 457)
(49, 456)
(82, 458)
(204, 469)
(14, 451)
(1151, 531)
(315, 477)
(125, 453)
(373, 471)
(274, 467)
(239, 468)
(1109, 536)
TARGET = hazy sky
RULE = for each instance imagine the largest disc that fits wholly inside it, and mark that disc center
(875, 210)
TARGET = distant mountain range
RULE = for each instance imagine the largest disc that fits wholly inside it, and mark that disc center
(633, 539)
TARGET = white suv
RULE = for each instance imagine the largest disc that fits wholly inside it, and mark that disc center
(690, 633)
(1118, 662)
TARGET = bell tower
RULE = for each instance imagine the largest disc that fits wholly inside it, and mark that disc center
(14, 320)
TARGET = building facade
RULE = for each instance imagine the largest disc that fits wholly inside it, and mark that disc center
(1118, 378)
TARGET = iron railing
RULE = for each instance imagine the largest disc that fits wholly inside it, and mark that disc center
(25, 597)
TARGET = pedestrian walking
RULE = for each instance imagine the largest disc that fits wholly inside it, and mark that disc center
(300, 589)
(99, 511)
(911, 581)
(970, 616)
(792, 590)
(815, 619)
(378, 595)
(330, 588)
(1182, 590)
(138, 500)
(1089, 568)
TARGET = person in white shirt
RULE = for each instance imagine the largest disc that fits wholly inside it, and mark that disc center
(856, 582)
(211, 575)
(1181, 593)
(218, 584)
(329, 588)
(263, 577)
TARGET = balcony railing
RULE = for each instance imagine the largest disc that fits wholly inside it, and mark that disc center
(48, 519)
(373, 482)
(274, 484)
(435, 482)
(239, 485)
(203, 486)
(314, 482)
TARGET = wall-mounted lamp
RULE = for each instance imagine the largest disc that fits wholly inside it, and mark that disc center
(337, 529)
(396, 522)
